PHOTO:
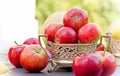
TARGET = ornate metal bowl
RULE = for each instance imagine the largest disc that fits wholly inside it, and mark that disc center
(62, 55)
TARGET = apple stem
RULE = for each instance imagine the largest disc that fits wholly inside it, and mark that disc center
(104, 52)
(102, 44)
(16, 43)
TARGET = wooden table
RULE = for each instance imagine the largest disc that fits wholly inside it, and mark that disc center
(60, 72)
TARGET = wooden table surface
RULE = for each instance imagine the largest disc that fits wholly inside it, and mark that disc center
(60, 72)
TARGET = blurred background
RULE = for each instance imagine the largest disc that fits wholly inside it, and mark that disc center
(102, 12)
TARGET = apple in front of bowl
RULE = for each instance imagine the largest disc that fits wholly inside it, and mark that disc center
(87, 65)
(108, 62)
(34, 58)
(99, 63)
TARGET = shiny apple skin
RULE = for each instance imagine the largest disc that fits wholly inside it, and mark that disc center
(100, 47)
(51, 29)
(31, 40)
(75, 18)
(86, 65)
(66, 35)
(89, 33)
(14, 55)
(34, 58)
(108, 61)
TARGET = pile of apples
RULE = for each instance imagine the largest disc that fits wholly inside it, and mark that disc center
(76, 29)
(28, 55)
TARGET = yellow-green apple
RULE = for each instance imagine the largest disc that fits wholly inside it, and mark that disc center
(116, 31)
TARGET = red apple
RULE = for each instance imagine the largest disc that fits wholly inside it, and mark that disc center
(108, 61)
(75, 18)
(89, 33)
(100, 47)
(31, 40)
(34, 58)
(87, 65)
(14, 55)
(66, 35)
(51, 29)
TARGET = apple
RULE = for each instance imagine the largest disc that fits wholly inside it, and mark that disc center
(89, 33)
(31, 40)
(14, 55)
(108, 61)
(115, 31)
(51, 29)
(87, 65)
(34, 58)
(75, 18)
(100, 47)
(66, 35)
